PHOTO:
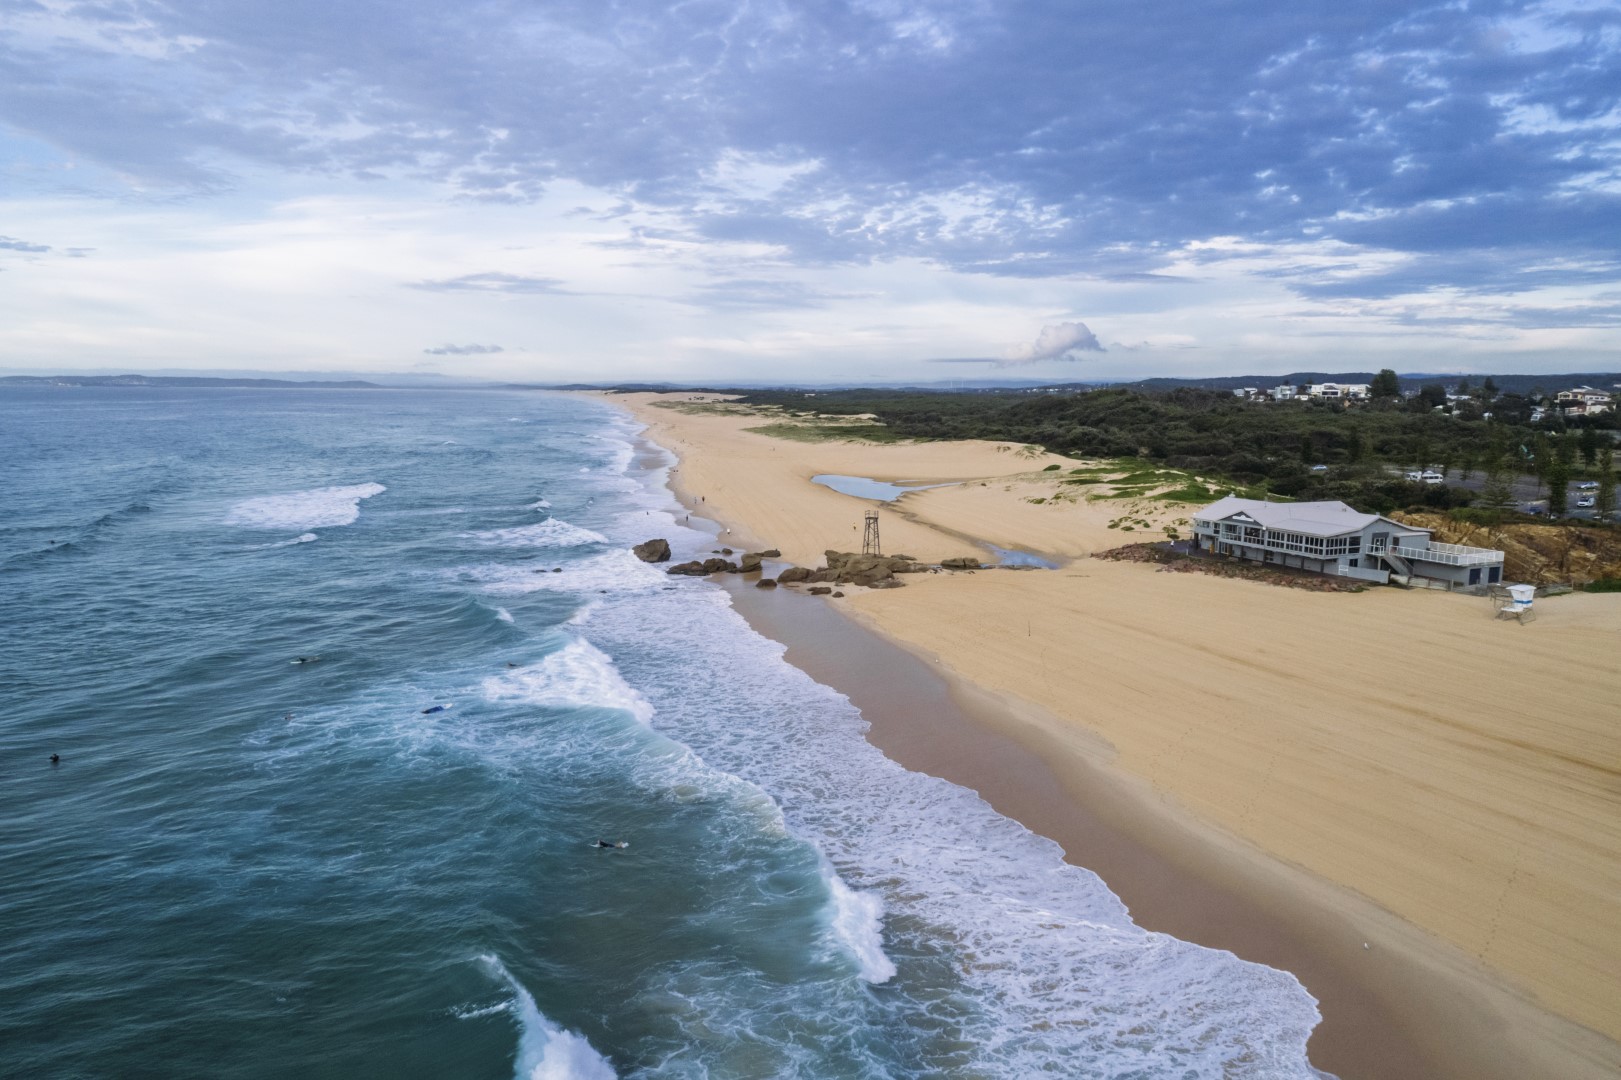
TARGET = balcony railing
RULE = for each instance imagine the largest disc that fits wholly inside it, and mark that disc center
(1450, 554)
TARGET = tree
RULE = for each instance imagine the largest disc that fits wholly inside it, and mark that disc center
(1463, 388)
(1604, 500)
(1589, 444)
(1556, 475)
(1433, 395)
(1489, 387)
(1353, 446)
(1498, 491)
(1385, 385)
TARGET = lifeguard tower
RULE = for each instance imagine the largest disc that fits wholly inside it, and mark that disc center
(1514, 602)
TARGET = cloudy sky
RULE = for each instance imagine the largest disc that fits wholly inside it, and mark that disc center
(816, 189)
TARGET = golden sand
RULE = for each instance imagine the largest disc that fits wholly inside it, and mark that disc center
(1450, 780)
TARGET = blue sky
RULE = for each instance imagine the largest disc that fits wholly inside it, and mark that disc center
(828, 189)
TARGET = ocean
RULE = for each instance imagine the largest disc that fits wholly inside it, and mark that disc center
(382, 862)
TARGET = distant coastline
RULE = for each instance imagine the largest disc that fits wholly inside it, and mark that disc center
(183, 381)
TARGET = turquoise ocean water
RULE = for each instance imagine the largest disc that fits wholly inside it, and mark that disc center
(246, 867)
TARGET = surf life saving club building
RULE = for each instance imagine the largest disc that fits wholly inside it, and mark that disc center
(1331, 538)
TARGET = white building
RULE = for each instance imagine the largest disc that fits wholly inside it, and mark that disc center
(1338, 391)
(1583, 401)
(1282, 392)
(1332, 538)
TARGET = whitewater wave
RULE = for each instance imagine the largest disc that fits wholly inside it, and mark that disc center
(312, 509)
(577, 674)
(856, 920)
(546, 1051)
(551, 533)
(504, 615)
(610, 572)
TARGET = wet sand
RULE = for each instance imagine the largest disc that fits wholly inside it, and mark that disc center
(1285, 774)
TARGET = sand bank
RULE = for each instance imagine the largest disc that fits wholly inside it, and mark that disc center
(1391, 768)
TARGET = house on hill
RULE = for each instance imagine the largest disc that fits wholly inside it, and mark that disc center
(1584, 401)
(1338, 391)
(1332, 538)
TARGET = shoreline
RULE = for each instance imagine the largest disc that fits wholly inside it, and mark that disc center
(1410, 1006)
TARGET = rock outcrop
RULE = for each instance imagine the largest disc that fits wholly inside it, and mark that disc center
(793, 575)
(653, 551)
(960, 563)
(750, 563)
(703, 569)
(766, 583)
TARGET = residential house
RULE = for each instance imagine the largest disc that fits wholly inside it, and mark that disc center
(1583, 401)
(1338, 391)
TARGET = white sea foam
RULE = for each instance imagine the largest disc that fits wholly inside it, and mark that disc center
(313, 509)
(610, 572)
(856, 922)
(539, 504)
(307, 538)
(546, 1051)
(551, 533)
(577, 674)
(503, 614)
(1049, 958)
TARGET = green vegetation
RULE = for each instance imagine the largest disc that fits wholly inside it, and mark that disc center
(1200, 444)
(875, 433)
(1603, 585)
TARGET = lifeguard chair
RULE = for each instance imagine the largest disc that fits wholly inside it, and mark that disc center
(1513, 602)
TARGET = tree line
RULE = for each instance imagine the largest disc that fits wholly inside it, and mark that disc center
(1355, 452)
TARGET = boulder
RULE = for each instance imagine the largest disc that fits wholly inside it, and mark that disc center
(719, 566)
(823, 575)
(725, 551)
(819, 590)
(888, 583)
(750, 563)
(689, 569)
(872, 575)
(771, 553)
(794, 574)
(653, 551)
(962, 562)
(837, 593)
(766, 583)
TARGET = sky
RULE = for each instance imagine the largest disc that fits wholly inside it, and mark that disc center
(818, 190)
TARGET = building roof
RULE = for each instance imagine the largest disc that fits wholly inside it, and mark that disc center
(1310, 518)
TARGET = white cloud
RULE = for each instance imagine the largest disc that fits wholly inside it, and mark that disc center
(1061, 341)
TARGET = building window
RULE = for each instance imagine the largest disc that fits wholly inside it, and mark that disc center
(1354, 562)
(1474, 575)
(1494, 575)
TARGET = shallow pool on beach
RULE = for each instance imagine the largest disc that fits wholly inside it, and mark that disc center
(862, 487)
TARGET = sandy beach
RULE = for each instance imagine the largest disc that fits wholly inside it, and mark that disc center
(1414, 807)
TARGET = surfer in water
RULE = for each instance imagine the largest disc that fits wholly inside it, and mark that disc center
(306, 659)
(56, 759)
(612, 844)
(434, 709)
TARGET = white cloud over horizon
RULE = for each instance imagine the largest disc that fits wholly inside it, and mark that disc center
(848, 191)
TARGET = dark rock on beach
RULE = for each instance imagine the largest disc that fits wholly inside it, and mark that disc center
(766, 583)
(960, 563)
(819, 590)
(794, 574)
(689, 569)
(653, 551)
(750, 563)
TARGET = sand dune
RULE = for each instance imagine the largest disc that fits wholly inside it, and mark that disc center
(1448, 783)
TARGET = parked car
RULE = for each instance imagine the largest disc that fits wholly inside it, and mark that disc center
(1319, 468)
(1587, 485)
(1433, 477)
(1415, 477)
(1585, 502)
